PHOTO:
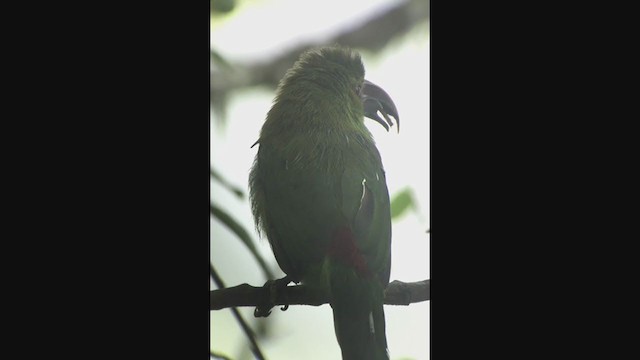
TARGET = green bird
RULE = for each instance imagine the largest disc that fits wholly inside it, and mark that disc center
(318, 191)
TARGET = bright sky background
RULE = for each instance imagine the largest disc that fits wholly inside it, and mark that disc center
(258, 30)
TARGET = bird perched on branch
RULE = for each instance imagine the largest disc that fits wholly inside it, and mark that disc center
(318, 191)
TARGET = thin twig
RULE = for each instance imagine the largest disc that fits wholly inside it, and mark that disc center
(224, 182)
(255, 349)
(244, 236)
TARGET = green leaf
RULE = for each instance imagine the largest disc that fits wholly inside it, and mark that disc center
(401, 202)
(222, 6)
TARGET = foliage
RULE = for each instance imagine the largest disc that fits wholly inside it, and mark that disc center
(222, 6)
(401, 202)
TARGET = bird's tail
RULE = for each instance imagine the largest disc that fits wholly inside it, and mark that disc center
(358, 317)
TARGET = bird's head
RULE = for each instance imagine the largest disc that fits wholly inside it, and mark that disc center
(336, 74)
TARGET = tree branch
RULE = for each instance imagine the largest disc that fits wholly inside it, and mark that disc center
(397, 293)
(371, 34)
(255, 348)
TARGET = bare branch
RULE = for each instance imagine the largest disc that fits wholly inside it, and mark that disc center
(397, 293)
(255, 348)
(372, 34)
(400, 293)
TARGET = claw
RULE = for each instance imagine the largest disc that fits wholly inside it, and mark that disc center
(274, 286)
(261, 312)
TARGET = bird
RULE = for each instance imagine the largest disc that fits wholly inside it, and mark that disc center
(318, 191)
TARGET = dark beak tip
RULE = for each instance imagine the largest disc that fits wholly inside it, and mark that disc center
(375, 99)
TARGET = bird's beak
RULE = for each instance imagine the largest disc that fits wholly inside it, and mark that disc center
(375, 99)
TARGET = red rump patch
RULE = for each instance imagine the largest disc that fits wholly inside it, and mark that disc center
(343, 248)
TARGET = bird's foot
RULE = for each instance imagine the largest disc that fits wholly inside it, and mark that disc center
(274, 286)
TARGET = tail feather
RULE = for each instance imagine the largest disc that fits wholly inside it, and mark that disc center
(358, 317)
